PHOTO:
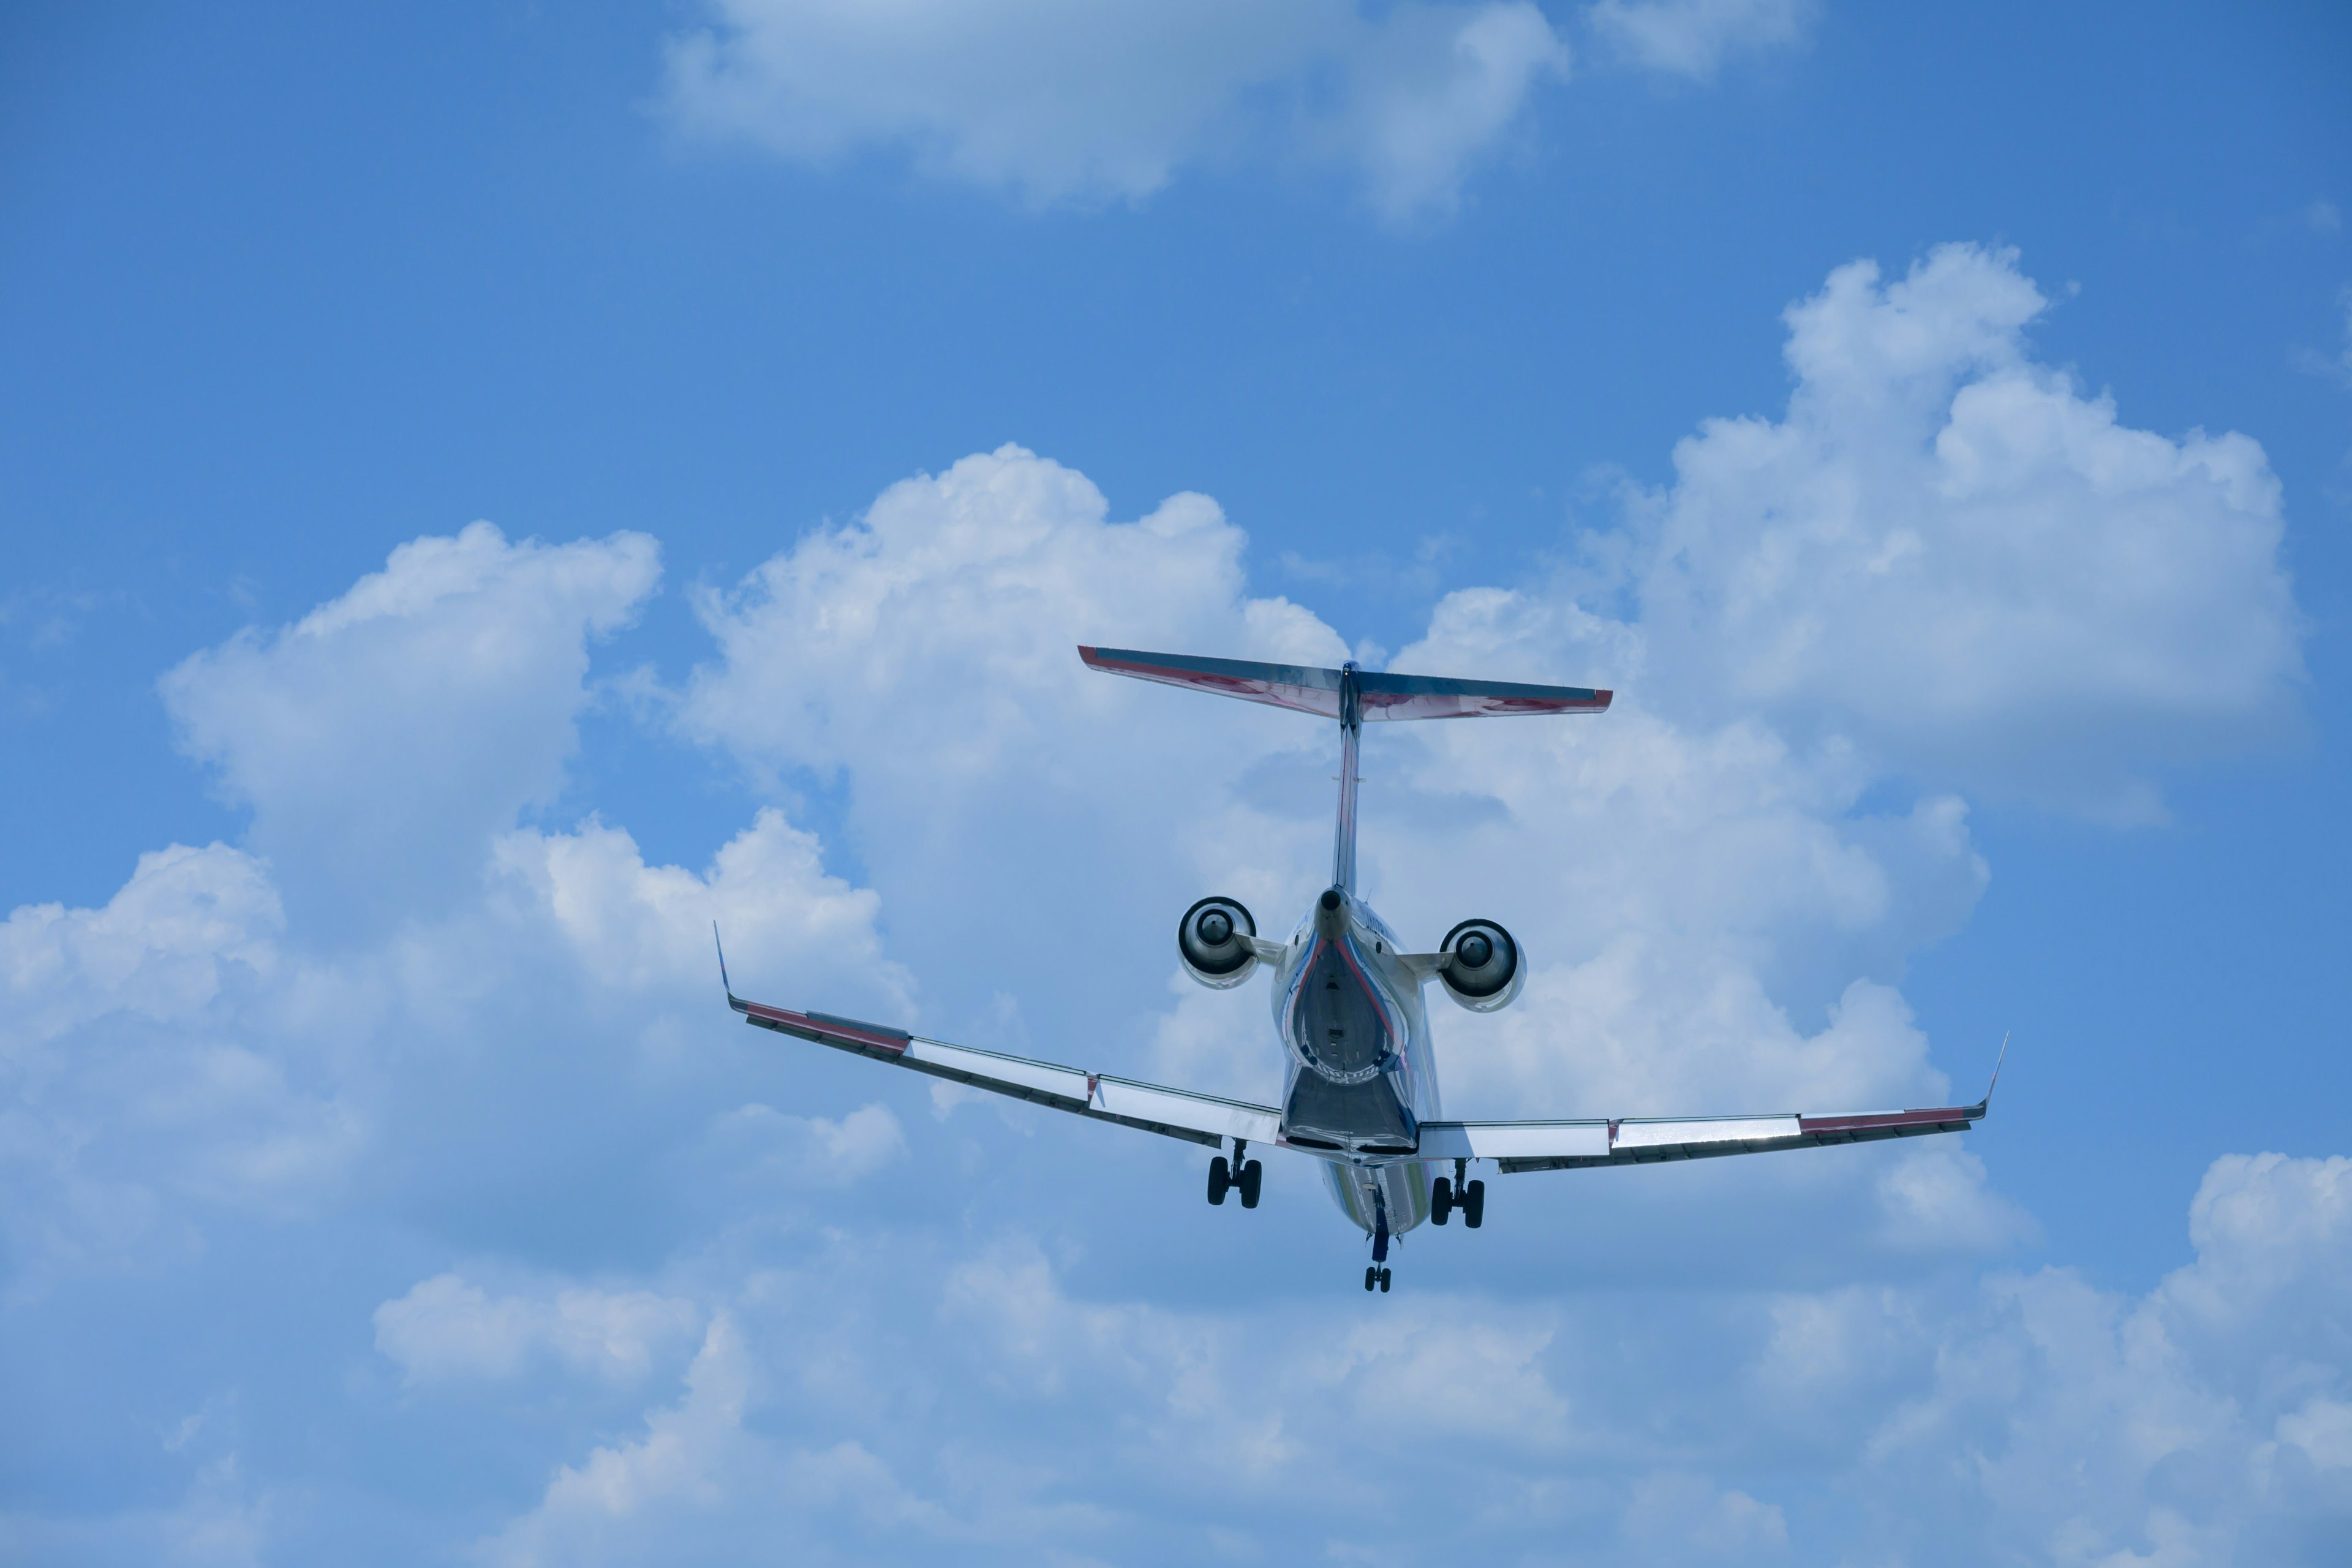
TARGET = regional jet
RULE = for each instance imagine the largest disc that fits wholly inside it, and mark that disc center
(1359, 1080)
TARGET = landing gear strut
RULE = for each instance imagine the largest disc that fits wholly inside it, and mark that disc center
(1446, 1197)
(1224, 1176)
(1378, 1274)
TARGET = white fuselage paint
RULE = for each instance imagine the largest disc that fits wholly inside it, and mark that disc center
(1368, 1182)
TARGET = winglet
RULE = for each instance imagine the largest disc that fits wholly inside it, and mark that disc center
(724, 983)
(1996, 1068)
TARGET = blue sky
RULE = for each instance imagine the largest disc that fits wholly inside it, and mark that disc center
(491, 489)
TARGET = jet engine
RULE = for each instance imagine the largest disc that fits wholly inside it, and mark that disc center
(1482, 969)
(1214, 940)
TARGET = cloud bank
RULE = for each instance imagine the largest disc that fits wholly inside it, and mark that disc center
(486, 1184)
(1067, 100)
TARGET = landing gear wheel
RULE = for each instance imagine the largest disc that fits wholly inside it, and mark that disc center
(1220, 1179)
(1252, 1176)
(1474, 1205)
(1384, 1282)
(1371, 1276)
(1441, 1202)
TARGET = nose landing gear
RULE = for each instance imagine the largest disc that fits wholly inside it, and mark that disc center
(1224, 1176)
(1376, 1276)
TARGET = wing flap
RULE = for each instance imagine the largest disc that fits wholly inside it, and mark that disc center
(1517, 1146)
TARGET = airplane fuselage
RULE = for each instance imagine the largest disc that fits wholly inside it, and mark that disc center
(1362, 1075)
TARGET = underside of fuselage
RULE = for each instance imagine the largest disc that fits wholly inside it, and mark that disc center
(1359, 1081)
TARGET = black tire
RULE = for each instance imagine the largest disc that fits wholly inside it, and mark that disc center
(1252, 1178)
(1384, 1282)
(1474, 1205)
(1370, 1275)
(1220, 1179)
(1441, 1202)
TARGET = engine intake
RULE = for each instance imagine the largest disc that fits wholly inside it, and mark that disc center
(1482, 969)
(1213, 941)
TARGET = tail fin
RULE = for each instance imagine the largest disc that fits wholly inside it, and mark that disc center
(1311, 690)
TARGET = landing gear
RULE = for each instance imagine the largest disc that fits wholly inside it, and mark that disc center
(1377, 1275)
(1469, 1196)
(1226, 1175)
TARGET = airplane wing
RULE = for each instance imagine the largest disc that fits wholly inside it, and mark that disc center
(1577, 1146)
(1172, 1112)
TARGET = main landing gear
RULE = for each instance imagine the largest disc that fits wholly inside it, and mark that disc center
(1224, 1176)
(1470, 1197)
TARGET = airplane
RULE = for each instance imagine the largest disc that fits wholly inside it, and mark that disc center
(1360, 1085)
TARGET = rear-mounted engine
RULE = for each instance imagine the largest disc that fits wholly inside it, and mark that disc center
(1213, 941)
(1482, 969)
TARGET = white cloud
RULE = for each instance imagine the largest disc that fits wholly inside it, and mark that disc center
(2030, 1417)
(639, 926)
(1080, 101)
(162, 947)
(125, 1058)
(446, 1329)
(1949, 556)
(1671, 1513)
(165, 1060)
(772, 1149)
(1694, 37)
(588, 1509)
(385, 738)
(2098, 1429)
(536, 1073)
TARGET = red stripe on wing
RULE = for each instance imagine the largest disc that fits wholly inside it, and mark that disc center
(823, 1028)
(1811, 1125)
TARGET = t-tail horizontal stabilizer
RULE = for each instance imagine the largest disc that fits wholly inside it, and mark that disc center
(1309, 689)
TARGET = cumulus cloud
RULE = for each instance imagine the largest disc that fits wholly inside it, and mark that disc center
(2028, 1417)
(926, 655)
(167, 1050)
(595, 1511)
(124, 1057)
(650, 927)
(446, 1329)
(2190, 1425)
(385, 737)
(1950, 555)
(774, 1150)
(188, 922)
(1075, 101)
(921, 1335)
(1694, 37)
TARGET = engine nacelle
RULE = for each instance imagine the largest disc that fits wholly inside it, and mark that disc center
(1483, 970)
(1213, 941)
